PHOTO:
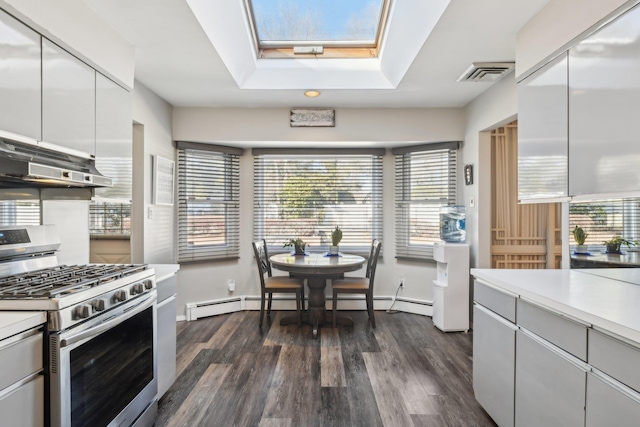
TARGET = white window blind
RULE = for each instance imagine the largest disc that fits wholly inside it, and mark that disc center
(208, 202)
(605, 219)
(19, 212)
(106, 218)
(425, 180)
(307, 193)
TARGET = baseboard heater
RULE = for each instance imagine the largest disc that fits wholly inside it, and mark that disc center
(198, 310)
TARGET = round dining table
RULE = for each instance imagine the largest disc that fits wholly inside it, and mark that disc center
(316, 269)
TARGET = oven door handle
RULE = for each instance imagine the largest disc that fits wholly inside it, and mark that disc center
(124, 315)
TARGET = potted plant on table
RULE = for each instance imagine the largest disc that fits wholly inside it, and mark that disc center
(298, 244)
(580, 236)
(336, 237)
(613, 245)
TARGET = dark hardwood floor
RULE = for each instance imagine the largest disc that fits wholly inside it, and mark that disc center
(404, 373)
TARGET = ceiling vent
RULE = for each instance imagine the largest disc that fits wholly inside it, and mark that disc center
(486, 71)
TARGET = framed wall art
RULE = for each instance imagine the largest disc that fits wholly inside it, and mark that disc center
(312, 118)
(163, 180)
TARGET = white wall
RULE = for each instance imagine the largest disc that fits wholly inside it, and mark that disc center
(77, 28)
(494, 108)
(153, 115)
(379, 127)
(556, 25)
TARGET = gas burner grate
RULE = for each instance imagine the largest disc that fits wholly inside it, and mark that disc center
(56, 282)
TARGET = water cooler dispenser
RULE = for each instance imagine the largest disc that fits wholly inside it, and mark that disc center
(451, 287)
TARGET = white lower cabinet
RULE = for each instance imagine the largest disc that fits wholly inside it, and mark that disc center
(609, 403)
(550, 384)
(494, 346)
(23, 406)
(21, 380)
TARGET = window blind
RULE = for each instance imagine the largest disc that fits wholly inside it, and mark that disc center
(19, 212)
(208, 202)
(425, 180)
(307, 193)
(605, 219)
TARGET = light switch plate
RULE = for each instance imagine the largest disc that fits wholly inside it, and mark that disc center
(150, 212)
(472, 201)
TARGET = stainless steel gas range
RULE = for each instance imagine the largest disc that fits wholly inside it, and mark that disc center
(101, 332)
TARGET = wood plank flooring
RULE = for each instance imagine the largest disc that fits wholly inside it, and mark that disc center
(403, 373)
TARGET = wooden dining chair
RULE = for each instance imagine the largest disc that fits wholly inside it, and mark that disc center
(275, 284)
(359, 285)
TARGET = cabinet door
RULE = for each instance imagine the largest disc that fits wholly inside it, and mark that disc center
(543, 132)
(114, 138)
(609, 403)
(20, 81)
(550, 384)
(68, 100)
(24, 406)
(494, 348)
(166, 344)
(604, 100)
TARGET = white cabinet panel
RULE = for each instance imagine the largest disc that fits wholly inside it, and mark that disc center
(114, 138)
(610, 404)
(497, 301)
(543, 132)
(494, 347)
(604, 100)
(615, 358)
(24, 406)
(68, 100)
(566, 334)
(20, 79)
(550, 385)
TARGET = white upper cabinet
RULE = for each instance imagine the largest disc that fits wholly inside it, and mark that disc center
(543, 133)
(114, 138)
(604, 109)
(68, 100)
(19, 78)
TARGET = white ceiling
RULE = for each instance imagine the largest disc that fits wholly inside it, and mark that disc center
(176, 60)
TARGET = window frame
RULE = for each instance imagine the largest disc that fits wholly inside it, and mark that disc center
(403, 195)
(331, 48)
(274, 244)
(230, 164)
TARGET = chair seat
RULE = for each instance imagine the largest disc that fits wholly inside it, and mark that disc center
(352, 283)
(278, 282)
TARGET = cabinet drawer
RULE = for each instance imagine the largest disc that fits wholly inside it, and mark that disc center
(615, 358)
(566, 334)
(496, 301)
(20, 359)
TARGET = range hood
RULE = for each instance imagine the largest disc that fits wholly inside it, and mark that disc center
(31, 165)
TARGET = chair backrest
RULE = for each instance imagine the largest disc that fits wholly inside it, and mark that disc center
(262, 259)
(372, 263)
(370, 259)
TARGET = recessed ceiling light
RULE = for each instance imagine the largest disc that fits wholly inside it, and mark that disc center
(312, 93)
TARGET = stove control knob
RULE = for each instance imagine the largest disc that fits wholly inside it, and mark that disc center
(99, 305)
(120, 296)
(138, 288)
(83, 311)
(148, 284)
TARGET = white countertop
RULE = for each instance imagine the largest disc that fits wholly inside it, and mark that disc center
(14, 322)
(164, 271)
(608, 299)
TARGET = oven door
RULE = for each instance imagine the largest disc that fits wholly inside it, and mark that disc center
(104, 372)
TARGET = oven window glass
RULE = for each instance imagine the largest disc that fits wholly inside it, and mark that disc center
(108, 371)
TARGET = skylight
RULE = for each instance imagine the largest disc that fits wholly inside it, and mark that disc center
(319, 28)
